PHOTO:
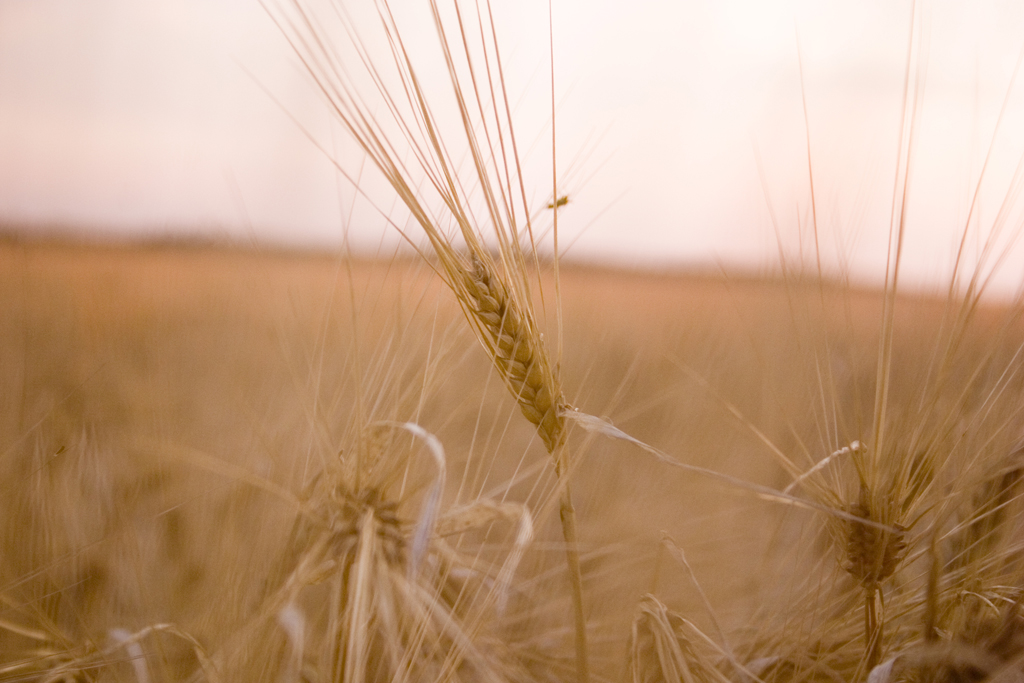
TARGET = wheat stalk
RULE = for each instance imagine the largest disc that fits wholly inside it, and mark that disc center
(496, 300)
(517, 351)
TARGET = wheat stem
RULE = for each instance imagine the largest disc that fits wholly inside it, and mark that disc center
(508, 333)
(872, 627)
(572, 556)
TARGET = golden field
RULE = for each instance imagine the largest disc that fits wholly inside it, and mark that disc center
(168, 413)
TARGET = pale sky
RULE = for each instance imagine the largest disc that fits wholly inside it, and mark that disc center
(167, 117)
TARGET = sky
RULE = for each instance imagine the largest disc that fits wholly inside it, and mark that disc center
(682, 138)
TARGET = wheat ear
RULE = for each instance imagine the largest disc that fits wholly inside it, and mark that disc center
(497, 301)
(518, 353)
(508, 332)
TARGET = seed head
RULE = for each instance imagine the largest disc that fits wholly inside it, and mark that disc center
(873, 554)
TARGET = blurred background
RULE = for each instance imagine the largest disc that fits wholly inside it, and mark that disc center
(680, 125)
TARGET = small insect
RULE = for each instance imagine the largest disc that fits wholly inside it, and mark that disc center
(562, 201)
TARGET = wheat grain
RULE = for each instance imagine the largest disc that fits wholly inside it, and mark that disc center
(518, 353)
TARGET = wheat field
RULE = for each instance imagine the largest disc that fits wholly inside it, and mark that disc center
(472, 461)
(166, 410)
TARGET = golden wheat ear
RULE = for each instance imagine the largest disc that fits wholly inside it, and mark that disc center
(517, 351)
(494, 292)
